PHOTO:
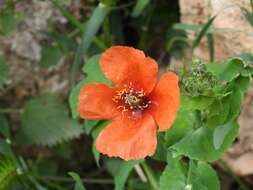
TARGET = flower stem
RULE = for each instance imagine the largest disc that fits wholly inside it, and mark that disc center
(150, 174)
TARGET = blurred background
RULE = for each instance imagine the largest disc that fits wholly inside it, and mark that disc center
(42, 43)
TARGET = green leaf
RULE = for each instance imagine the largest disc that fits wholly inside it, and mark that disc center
(45, 121)
(247, 71)
(161, 149)
(139, 7)
(199, 144)
(88, 125)
(197, 102)
(5, 148)
(232, 69)
(123, 172)
(93, 24)
(78, 180)
(7, 172)
(4, 69)
(241, 83)
(229, 70)
(236, 99)
(186, 27)
(93, 71)
(8, 22)
(64, 43)
(201, 33)
(200, 176)
(173, 176)
(220, 133)
(203, 177)
(73, 98)
(4, 126)
(95, 133)
(112, 165)
(50, 55)
(184, 124)
(94, 74)
(215, 68)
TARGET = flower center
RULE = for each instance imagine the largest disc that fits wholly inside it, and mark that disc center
(131, 100)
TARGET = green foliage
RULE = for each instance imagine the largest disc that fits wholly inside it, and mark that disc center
(50, 55)
(5, 148)
(173, 176)
(7, 172)
(65, 44)
(92, 27)
(197, 176)
(94, 74)
(139, 7)
(95, 133)
(220, 132)
(8, 22)
(123, 172)
(196, 102)
(201, 33)
(3, 71)
(45, 121)
(199, 144)
(78, 180)
(185, 123)
(231, 69)
(4, 126)
(202, 176)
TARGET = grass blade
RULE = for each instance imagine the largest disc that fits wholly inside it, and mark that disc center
(210, 42)
(78, 180)
(187, 27)
(66, 14)
(139, 7)
(76, 23)
(202, 32)
(92, 27)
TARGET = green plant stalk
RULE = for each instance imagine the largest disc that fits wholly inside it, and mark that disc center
(77, 24)
(200, 35)
(189, 172)
(175, 39)
(92, 27)
(150, 174)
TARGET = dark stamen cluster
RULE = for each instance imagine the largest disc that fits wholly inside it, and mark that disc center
(131, 100)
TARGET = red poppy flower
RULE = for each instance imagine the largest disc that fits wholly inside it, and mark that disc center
(136, 104)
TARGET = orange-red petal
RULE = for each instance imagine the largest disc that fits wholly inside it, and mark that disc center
(165, 100)
(95, 102)
(128, 139)
(125, 65)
